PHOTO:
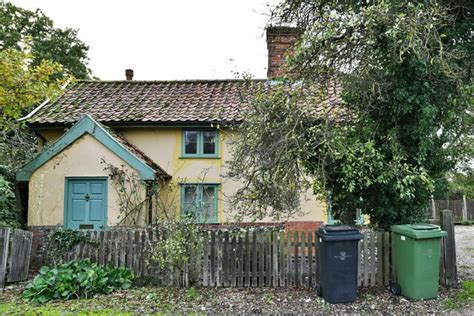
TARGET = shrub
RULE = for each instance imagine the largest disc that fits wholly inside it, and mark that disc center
(9, 216)
(76, 279)
(181, 241)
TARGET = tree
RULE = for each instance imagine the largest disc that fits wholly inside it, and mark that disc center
(23, 85)
(47, 42)
(402, 70)
(462, 184)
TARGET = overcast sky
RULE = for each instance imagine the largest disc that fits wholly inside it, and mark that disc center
(160, 40)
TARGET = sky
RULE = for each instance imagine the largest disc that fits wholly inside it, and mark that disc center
(166, 40)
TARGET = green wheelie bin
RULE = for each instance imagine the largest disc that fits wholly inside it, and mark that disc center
(417, 253)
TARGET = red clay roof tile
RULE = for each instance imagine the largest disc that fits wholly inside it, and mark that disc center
(157, 102)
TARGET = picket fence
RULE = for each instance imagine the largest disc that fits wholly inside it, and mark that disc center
(15, 254)
(245, 259)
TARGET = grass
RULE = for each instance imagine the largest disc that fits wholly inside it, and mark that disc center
(469, 249)
(149, 300)
(463, 297)
(15, 309)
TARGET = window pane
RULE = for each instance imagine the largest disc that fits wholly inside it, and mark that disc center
(209, 142)
(190, 200)
(208, 206)
(208, 194)
(190, 142)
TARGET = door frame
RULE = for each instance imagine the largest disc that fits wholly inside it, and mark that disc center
(86, 178)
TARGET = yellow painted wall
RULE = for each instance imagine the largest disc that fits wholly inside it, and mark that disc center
(163, 145)
(47, 183)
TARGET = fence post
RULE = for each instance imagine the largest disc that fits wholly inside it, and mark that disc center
(448, 256)
(4, 240)
(464, 208)
(433, 208)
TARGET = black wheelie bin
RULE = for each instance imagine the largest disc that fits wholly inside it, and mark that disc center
(338, 263)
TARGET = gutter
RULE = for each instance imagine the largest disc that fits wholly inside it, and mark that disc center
(35, 110)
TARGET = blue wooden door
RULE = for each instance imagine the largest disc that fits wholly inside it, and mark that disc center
(86, 204)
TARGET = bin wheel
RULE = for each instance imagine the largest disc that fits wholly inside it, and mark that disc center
(395, 288)
(317, 289)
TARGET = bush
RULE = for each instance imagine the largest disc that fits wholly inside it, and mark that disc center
(76, 279)
(182, 241)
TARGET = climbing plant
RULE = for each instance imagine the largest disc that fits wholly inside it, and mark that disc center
(62, 240)
(131, 192)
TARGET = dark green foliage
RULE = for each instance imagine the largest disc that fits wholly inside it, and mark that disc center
(405, 117)
(18, 25)
(62, 240)
(76, 279)
(9, 215)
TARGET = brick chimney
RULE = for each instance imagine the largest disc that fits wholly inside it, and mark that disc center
(279, 40)
(129, 74)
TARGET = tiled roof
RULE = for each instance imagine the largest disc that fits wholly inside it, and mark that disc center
(154, 102)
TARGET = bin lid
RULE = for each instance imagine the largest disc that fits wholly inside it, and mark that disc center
(419, 231)
(338, 233)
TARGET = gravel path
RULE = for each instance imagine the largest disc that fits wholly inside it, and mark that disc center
(465, 251)
(231, 301)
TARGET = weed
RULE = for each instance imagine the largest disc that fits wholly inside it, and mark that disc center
(268, 298)
(463, 297)
(192, 294)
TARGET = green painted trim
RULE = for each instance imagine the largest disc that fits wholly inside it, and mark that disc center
(200, 186)
(187, 157)
(66, 193)
(200, 143)
(216, 149)
(86, 125)
(183, 143)
(199, 183)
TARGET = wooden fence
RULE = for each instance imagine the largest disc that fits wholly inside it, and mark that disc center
(15, 253)
(248, 259)
(463, 209)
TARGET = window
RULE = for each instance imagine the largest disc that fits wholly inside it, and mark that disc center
(200, 143)
(199, 201)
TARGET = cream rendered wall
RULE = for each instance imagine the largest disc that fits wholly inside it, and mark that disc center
(163, 145)
(311, 208)
(47, 183)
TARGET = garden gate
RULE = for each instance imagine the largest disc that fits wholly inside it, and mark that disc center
(15, 253)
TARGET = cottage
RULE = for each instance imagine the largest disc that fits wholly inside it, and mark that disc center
(122, 152)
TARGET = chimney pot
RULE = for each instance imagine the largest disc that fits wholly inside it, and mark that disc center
(129, 74)
(279, 40)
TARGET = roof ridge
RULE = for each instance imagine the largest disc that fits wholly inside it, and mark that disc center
(171, 81)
